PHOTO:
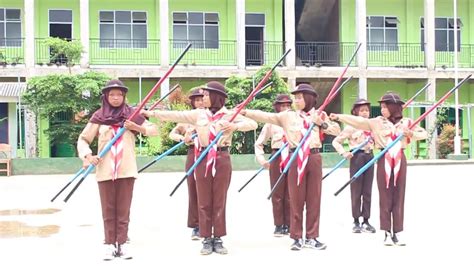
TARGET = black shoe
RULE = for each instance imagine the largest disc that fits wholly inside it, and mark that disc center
(366, 227)
(195, 234)
(206, 246)
(218, 247)
(314, 244)
(356, 228)
(297, 245)
(279, 231)
(286, 229)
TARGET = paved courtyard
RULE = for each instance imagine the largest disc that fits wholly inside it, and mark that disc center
(438, 223)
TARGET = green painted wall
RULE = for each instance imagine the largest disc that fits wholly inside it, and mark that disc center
(149, 55)
(42, 8)
(273, 10)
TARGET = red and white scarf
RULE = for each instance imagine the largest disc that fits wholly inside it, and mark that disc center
(212, 154)
(285, 154)
(393, 158)
(303, 153)
(116, 152)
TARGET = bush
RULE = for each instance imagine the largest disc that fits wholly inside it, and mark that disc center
(445, 141)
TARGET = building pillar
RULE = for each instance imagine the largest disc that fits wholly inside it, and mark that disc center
(84, 22)
(29, 7)
(361, 21)
(240, 31)
(290, 33)
(430, 55)
(164, 34)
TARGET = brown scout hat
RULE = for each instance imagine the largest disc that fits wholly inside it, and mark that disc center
(283, 98)
(196, 93)
(114, 84)
(215, 86)
(305, 88)
(391, 97)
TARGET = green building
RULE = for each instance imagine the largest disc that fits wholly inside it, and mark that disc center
(405, 44)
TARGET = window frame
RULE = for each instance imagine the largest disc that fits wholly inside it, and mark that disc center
(62, 23)
(5, 43)
(383, 46)
(114, 23)
(204, 41)
(447, 31)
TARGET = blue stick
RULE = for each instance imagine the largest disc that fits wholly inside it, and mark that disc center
(292, 158)
(341, 162)
(275, 155)
(166, 153)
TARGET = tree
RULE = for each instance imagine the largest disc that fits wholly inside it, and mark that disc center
(238, 89)
(71, 50)
(67, 101)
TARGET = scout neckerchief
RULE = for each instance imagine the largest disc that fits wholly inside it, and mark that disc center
(393, 157)
(285, 154)
(116, 152)
(303, 153)
(212, 154)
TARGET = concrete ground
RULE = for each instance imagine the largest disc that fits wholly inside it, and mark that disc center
(33, 231)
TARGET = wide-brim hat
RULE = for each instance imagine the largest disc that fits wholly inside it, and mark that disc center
(361, 102)
(283, 98)
(305, 88)
(216, 87)
(114, 84)
(391, 97)
(196, 93)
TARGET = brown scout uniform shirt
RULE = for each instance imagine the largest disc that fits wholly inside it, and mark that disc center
(128, 167)
(355, 138)
(181, 131)
(274, 132)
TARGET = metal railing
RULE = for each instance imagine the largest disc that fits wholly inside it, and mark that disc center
(124, 52)
(445, 59)
(258, 53)
(12, 51)
(324, 53)
(45, 55)
(205, 53)
(406, 55)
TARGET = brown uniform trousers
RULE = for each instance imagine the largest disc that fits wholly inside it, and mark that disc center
(193, 217)
(392, 200)
(116, 199)
(281, 196)
(212, 195)
(309, 192)
(361, 188)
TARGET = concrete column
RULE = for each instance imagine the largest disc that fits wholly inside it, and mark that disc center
(290, 30)
(429, 20)
(291, 83)
(164, 34)
(361, 21)
(165, 87)
(240, 31)
(431, 120)
(29, 7)
(84, 22)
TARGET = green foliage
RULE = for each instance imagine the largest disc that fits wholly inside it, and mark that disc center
(165, 129)
(445, 141)
(63, 99)
(71, 50)
(238, 89)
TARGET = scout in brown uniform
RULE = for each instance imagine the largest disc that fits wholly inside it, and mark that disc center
(183, 132)
(304, 176)
(361, 189)
(392, 168)
(117, 170)
(212, 175)
(281, 197)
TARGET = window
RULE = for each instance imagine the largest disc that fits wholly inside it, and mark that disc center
(255, 20)
(200, 28)
(10, 27)
(382, 33)
(123, 29)
(444, 34)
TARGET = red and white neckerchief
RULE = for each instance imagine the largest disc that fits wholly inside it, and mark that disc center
(285, 154)
(393, 158)
(212, 154)
(116, 152)
(303, 153)
(197, 151)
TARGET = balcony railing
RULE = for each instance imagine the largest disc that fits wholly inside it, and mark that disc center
(258, 53)
(445, 59)
(11, 51)
(205, 53)
(406, 55)
(124, 52)
(44, 54)
(324, 53)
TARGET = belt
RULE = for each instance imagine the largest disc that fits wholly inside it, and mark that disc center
(364, 151)
(312, 150)
(275, 149)
(224, 148)
(191, 147)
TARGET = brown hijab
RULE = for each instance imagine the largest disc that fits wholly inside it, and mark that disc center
(109, 115)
